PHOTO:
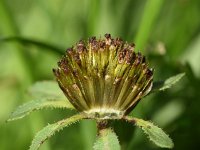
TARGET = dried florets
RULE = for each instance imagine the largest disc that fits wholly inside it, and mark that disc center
(104, 78)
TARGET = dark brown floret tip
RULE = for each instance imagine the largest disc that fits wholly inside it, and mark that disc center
(108, 39)
(149, 72)
(56, 72)
(81, 46)
(92, 39)
(66, 70)
(95, 45)
(102, 44)
(132, 45)
(138, 59)
(126, 55)
(69, 50)
(62, 63)
(107, 36)
(118, 41)
(77, 59)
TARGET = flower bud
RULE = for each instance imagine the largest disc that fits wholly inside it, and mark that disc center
(104, 78)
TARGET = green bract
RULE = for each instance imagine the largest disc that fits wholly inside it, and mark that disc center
(103, 79)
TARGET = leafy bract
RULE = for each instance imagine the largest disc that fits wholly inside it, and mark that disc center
(46, 94)
(107, 140)
(155, 134)
(163, 85)
(33, 105)
(51, 129)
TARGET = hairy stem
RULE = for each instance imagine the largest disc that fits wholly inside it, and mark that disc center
(129, 119)
(107, 138)
(101, 125)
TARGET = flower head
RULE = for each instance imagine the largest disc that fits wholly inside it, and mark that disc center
(104, 78)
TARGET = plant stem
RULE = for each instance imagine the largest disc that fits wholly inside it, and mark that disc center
(101, 125)
(106, 137)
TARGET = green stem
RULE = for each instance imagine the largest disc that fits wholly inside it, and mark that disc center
(107, 138)
(101, 125)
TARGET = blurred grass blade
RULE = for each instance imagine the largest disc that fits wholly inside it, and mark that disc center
(34, 105)
(155, 134)
(107, 140)
(43, 45)
(51, 129)
(163, 85)
(46, 89)
(151, 12)
(93, 17)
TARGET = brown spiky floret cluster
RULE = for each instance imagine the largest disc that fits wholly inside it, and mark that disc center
(104, 78)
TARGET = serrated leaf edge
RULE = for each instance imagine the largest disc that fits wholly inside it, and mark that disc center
(64, 123)
(35, 109)
(164, 86)
(135, 122)
(152, 140)
(179, 76)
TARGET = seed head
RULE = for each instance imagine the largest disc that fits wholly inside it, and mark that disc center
(104, 78)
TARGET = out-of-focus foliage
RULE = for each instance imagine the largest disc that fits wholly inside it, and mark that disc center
(168, 32)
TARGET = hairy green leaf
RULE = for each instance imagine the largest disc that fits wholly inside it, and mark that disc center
(46, 89)
(163, 85)
(33, 105)
(47, 94)
(107, 140)
(51, 129)
(155, 134)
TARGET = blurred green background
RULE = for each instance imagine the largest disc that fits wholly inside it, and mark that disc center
(35, 33)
